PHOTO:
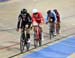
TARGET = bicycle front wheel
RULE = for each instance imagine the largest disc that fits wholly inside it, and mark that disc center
(22, 43)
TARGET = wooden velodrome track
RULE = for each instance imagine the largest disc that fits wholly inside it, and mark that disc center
(9, 38)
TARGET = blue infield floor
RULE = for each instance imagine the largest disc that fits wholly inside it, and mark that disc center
(59, 50)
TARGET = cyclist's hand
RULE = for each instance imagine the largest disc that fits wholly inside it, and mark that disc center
(18, 30)
(31, 27)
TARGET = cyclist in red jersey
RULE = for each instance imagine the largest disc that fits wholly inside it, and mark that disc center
(37, 19)
(58, 21)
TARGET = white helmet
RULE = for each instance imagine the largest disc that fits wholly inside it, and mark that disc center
(34, 11)
(35, 24)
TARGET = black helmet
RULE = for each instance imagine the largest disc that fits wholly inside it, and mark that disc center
(48, 12)
(23, 11)
(55, 10)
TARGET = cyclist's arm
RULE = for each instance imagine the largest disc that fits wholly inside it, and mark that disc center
(33, 19)
(41, 17)
(46, 19)
(55, 17)
(19, 22)
(59, 17)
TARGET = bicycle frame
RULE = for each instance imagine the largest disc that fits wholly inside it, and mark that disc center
(23, 40)
(37, 36)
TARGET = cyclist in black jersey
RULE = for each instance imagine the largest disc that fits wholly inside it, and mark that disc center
(24, 23)
(24, 19)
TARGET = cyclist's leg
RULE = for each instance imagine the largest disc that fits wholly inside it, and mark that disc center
(28, 45)
(49, 27)
(59, 31)
(41, 36)
(28, 33)
(22, 33)
(51, 30)
(28, 39)
(40, 41)
(54, 29)
(22, 40)
(58, 28)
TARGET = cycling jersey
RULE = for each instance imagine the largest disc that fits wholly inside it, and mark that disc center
(39, 19)
(58, 16)
(23, 20)
(51, 16)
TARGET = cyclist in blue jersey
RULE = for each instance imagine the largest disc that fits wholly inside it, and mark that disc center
(52, 19)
